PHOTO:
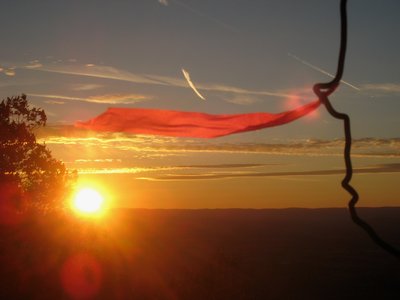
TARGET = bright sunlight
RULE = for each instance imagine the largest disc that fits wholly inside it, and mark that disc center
(88, 201)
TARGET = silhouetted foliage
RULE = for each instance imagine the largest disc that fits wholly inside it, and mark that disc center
(41, 178)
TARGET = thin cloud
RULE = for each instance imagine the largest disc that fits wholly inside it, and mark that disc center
(105, 72)
(54, 102)
(164, 80)
(368, 148)
(191, 84)
(392, 88)
(103, 99)
(111, 170)
(9, 72)
(112, 73)
(242, 100)
(131, 149)
(322, 71)
(118, 98)
(236, 90)
(92, 169)
(102, 160)
(385, 168)
(224, 166)
(86, 87)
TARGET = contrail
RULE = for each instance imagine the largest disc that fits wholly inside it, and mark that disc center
(321, 71)
(129, 99)
(112, 73)
(189, 81)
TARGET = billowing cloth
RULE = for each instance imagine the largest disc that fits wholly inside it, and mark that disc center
(189, 124)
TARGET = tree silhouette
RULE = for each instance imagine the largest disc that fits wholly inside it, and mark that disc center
(25, 163)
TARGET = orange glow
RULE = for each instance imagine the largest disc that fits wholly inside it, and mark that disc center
(299, 98)
(88, 201)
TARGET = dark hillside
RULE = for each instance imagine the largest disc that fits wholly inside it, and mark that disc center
(202, 254)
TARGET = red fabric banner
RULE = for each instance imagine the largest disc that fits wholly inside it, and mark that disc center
(189, 124)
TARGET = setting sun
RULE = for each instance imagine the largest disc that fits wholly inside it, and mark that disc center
(88, 201)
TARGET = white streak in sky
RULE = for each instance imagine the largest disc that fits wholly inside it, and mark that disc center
(242, 99)
(107, 72)
(383, 87)
(189, 81)
(95, 71)
(104, 99)
(321, 71)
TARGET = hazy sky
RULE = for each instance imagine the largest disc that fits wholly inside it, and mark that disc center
(76, 58)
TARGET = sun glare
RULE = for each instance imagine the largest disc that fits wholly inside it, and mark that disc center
(88, 201)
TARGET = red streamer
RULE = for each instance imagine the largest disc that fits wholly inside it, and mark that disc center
(189, 124)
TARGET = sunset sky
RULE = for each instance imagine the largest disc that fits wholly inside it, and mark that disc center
(77, 58)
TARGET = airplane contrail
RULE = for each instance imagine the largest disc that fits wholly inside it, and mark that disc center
(128, 99)
(321, 71)
(189, 81)
(108, 72)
